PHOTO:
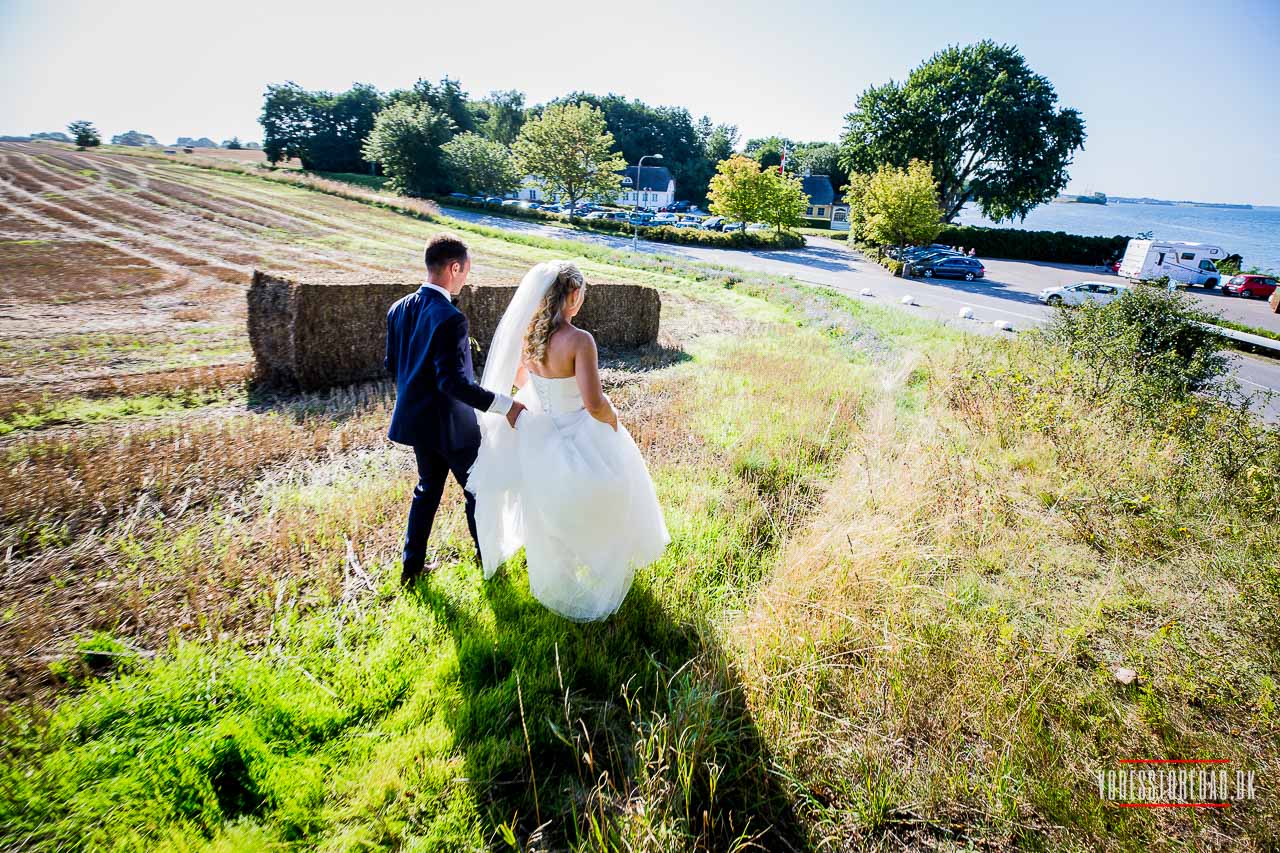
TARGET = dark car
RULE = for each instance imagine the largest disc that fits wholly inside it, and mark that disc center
(679, 207)
(952, 266)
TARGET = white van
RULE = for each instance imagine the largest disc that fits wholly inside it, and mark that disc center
(1189, 263)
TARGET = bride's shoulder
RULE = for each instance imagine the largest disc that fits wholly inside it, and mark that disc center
(580, 339)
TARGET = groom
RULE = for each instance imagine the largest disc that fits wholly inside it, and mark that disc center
(429, 357)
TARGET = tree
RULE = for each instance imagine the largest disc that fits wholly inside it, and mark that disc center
(784, 199)
(897, 207)
(640, 130)
(405, 142)
(85, 134)
(719, 143)
(768, 151)
(735, 191)
(990, 127)
(133, 138)
(326, 131)
(500, 116)
(445, 97)
(479, 166)
(569, 151)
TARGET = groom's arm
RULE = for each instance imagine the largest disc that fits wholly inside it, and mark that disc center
(451, 374)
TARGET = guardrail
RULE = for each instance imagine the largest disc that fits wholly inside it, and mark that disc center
(1269, 344)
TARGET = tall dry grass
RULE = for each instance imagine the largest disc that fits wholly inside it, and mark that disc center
(935, 657)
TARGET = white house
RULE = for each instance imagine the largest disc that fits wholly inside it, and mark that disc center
(657, 188)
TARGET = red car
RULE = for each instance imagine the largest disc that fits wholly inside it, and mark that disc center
(1251, 285)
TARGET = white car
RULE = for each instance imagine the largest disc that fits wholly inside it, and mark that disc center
(664, 219)
(1082, 292)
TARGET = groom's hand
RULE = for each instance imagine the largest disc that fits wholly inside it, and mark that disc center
(513, 414)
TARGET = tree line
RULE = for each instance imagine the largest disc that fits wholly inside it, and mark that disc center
(971, 125)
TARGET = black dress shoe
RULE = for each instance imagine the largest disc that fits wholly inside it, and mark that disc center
(410, 574)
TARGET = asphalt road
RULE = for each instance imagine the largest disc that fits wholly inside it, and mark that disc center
(1009, 293)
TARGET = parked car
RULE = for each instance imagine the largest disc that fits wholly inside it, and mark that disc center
(759, 226)
(950, 266)
(510, 202)
(597, 214)
(643, 219)
(712, 223)
(493, 199)
(479, 199)
(530, 205)
(1251, 285)
(689, 222)
(730, 227)
(552, 208)
(458, 195)
(1082, 292)
(665, 219)
(679, 207)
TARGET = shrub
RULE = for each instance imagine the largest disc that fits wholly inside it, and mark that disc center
(1148, 348)
(1016, 244)
(660, 234)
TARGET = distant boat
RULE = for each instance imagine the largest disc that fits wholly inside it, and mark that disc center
(1090, 198)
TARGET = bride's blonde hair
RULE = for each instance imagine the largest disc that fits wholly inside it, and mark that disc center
(550, 314)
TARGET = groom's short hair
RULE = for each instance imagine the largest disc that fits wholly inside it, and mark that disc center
(444, 249)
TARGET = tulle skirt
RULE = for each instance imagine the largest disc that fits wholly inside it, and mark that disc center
(577, 496)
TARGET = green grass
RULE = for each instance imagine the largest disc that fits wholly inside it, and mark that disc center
(78, 410)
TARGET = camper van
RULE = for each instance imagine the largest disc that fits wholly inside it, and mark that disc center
(1189, 263)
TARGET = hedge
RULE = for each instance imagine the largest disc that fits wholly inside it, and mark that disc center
(1016, 244)
(659, 234)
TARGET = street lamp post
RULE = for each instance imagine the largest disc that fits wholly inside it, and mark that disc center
(635, 211)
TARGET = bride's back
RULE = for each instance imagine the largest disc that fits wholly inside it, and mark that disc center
(562, 349)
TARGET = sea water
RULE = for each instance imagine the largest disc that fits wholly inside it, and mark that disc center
(1253, 233)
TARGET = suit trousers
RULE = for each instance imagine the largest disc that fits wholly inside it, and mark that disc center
(434, 466)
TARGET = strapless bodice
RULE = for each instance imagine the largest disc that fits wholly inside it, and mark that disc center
(559, 396)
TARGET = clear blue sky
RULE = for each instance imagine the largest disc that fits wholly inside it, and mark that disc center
(1181, 99)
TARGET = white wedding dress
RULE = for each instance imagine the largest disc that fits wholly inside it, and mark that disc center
(574, 493)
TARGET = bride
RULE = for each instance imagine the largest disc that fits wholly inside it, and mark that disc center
(568, 483)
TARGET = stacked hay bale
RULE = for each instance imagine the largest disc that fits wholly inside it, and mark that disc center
(316, 334)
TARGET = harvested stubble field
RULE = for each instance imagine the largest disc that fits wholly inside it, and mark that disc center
(904, 568)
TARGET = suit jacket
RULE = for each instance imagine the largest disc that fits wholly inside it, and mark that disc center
(429, 357)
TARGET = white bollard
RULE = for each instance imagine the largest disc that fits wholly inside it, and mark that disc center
(908, 300)
(866, 291)
(1003, 325)
(966, 313)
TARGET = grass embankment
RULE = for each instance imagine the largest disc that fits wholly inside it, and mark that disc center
(904, 572)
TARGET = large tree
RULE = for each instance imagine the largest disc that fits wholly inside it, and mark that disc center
(479, 166)
(405, 142)
(326, 131)
(500, 116)
(446, 97)
(85, 134)
(640, 130)
(570, 152)
(897, 207)
(987, 123)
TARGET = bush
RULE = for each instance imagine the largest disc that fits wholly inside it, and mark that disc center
(1016, 244)
(1147, 348)
(660, 234)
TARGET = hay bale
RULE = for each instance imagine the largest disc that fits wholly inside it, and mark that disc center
(317, 334)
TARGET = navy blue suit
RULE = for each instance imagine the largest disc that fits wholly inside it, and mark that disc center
(429, 357)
